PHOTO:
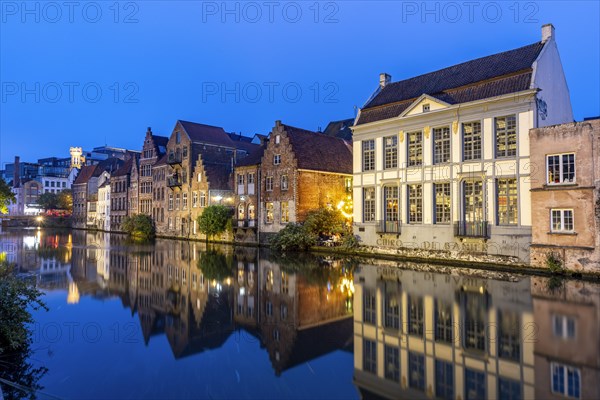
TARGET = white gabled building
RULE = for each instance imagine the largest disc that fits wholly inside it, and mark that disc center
(441, 160)
(103, 207)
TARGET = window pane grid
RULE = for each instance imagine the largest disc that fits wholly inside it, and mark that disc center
(507, 202)
(368, 204)
(391, 151)
(506, 136)
(472, 141)
(415, 149)
(415, 203)
(368, 149)
(441, 138)
(442, 203)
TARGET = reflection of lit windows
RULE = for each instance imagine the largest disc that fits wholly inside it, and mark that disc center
(563, 326)
(269, 281)
(415, 315)
(392, 363)
(444, 380)
(475, 388)
(285, 283)
(509, 337)
(369, 307)
(474, 307)
(416, 368)
(369, 356)
(566, 380)
(284, 312)
(391, 309)
(276, 334)
(443, 322)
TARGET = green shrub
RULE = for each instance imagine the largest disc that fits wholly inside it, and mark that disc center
(350, 242)
(139, 226)
(214, 220)
(325, 222)
(293, 237)
(554, 264)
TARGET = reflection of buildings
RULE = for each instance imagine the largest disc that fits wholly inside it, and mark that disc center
(567, 352)
(420, 335)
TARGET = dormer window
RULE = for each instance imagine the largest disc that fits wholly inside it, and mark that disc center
(426, 107)
(277, 139)
(177, 137)
(277, 159)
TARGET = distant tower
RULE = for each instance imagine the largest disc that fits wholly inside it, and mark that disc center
(76, 157)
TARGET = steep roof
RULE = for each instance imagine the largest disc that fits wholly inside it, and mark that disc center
(85, 173)
(319, 152)
(161, 161)
(340, 129)
(201, 133)
(494, 75)
(125, 169)
(160, 140)
(217, 165)
(253, 158)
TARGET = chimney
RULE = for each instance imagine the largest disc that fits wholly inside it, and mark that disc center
(384, 79)
(547, 32)
(17, 172)
(149, 132)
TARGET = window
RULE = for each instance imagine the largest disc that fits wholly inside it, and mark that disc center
(251, 178)
(240, 179)
(561, 220)
(199, 176)
(392, 363)
(269, 212)
(277, 139)
(506, 136)
(170, 201)
(415, 315)
(390, 155)
(369, 356)
(369, 307)
(276, 159)
(444, 380)
(563, 326)
(390, 194)
(561, 168)
(426, 107)
(415, 148)
(471, 141)
(285, 212)
(177, 201)
(269, 184)
(473, 201)
(368, 204)
(416, 367)
(195, 199)
(285, 283)
(506, 201)
(284, 182)
(269, 308)
(185, 152)
(415, 204)
(475, 388)
(368, 155)
(442, 203)
(441, 145)
(443, 322)
(177, 137)
(202, 199)
(185, 201)
(509, 337)
(509, 389)
(566, 380)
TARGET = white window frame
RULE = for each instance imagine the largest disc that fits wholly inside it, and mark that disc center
(562, 220)
(560, 168)
(566, 378)
(564, 324)
(276, 159)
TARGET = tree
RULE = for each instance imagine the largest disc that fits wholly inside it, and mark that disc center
(65, 200)
(139, 226)
(214, 220)
(48, 201)
(17, 297)
(325, 222)
(6, 196)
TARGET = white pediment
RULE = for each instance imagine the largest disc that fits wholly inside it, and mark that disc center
(417, 107)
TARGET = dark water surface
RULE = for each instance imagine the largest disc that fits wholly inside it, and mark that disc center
(178, 319)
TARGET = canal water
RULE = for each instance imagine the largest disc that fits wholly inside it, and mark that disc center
(177, 319)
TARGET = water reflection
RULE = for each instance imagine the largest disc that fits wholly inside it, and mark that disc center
(414, 333)
(423, 335)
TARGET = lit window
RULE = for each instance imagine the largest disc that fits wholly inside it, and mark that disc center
(368, 150)
(269, 212)
(561, 168)
(390, 152)
(506, 136)
(285, 212)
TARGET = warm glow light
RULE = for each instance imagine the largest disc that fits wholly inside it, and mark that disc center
(39, 218)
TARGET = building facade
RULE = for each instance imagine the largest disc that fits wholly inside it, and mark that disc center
(301, 171)
(442, 160)
(119, 194)
(247, 196)
(565, 195)
(103, 207)
(154, 147)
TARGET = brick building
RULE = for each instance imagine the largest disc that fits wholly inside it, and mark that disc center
(119, 194)
(565, 194)
(247, 196)
(154, 147)
(301, 171)
(160, 192)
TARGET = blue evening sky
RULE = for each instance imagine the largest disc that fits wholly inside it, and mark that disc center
(89, 73)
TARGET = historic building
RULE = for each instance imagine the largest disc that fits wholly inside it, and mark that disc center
(301, 171)
(154, 147)
(103, 206)
(565, 195)
(119, 194)
(422, 335)
(442, 160)
(85, 190)
(200, 159)
(247, 196)
(160, 192)
(133, 190)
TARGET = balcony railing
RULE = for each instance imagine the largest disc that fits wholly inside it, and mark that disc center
(174, 181)
(476, 229)
(388, 226)
(174, 158)
(244, 223)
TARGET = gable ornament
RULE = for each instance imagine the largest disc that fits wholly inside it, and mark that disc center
(427, 131)
(455, 127)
